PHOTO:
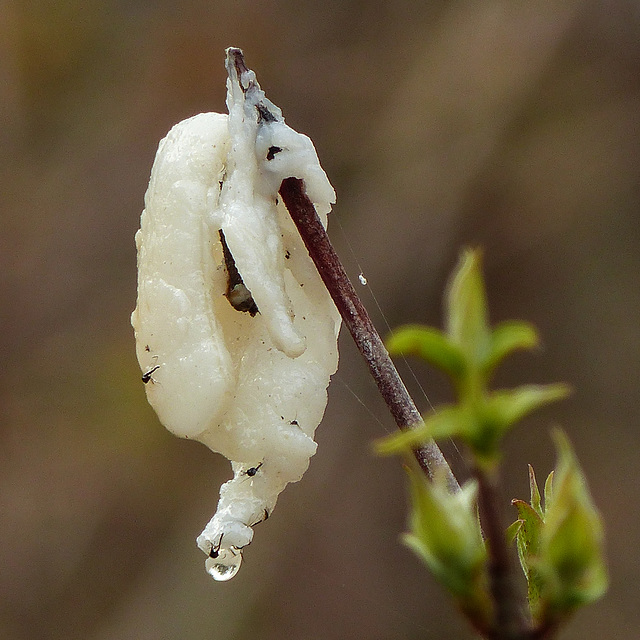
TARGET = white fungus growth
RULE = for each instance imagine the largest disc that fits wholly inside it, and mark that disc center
(235, 332)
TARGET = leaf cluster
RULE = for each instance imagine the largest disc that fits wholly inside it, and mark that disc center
(469, 351)
(560, 541)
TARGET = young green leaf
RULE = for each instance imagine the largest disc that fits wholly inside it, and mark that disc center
(491, 417)
(507, 337)
(535, 493)
(548, 490)
(528, 543)
(447, 422)
(467, 323)
(511, 405)
(430, 345)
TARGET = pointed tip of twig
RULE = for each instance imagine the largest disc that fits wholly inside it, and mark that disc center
(235, 62)
(242, 78)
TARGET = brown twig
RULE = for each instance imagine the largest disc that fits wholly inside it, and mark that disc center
(359, 323)
(509, 623)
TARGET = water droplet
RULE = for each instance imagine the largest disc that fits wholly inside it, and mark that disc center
(225, 566)
(363, 280)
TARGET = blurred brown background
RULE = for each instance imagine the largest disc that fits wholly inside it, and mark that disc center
(507, 123)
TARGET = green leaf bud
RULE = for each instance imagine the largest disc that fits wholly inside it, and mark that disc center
(561, 546)
(445, 534)
(571, 557)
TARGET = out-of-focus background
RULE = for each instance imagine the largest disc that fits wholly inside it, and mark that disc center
(505, 123)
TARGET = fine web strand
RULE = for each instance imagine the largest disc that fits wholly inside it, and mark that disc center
(365, 283)
(363, 404)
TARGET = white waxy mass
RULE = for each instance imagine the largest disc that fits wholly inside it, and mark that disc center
(235, 332)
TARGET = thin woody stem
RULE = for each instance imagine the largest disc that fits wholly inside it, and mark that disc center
(359, 323)
(509, 623)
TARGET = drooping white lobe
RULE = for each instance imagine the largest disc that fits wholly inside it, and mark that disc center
(176, 329)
